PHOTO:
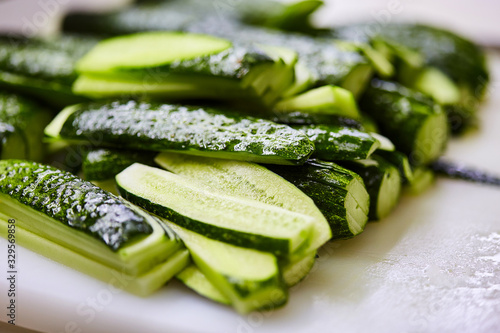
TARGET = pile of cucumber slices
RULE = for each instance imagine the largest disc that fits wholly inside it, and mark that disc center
(221, 146)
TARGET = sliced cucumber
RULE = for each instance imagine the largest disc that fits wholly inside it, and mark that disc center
(194, 206)
(249, 279)
(423, 179)
(324, 100)
(340, 143)
(416, 124)
(338, 193)
(250, 181)
(382, 181)
(194, 278)
(193, 130)
(79, 216)
(401, 161)
(141, 285)
(148, 50)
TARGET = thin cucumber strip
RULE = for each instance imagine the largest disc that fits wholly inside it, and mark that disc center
(416, 124)
(385, 143)
(249, 279)
(324, 100)
(141, 285)
(339, 194)
(80, 216)
(194, 278)
(340, 143)
(192, 205)
(383, 182)
(250, 181)
(186, 64)
(193, 130)
(148, 50)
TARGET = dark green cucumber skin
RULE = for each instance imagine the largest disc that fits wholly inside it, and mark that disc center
(158, 127)
(303, 118)
(372, 176)
(398, 111)
(72, 201)
(325, 183)
(25, 118)
(460, 59)
(103, 164)
(338, 143)
(233, 63)
(329, 63)
(248, 240)
(42, 68)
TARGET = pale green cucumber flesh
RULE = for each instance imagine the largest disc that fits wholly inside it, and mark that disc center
(389, 193)
(230, 219)
(141, 285)
(250, 181)
(431, 140)
(134, 259)
(249, 279)
(149, 49)
(194, 279)
(324, 100)
(357, 79)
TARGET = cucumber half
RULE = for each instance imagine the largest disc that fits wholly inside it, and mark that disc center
(194, 206)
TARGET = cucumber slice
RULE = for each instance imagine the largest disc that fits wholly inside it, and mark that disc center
(249, 279)
(194, 278)
(382, 181)
(60, 207)
(338, 193)
(422, 180)
(340, 143)
(250, 181)
(401, 162)
(194, 206)
(141, 285)
(193, 130)
(148, 50)
(324, 100)
(414, 122)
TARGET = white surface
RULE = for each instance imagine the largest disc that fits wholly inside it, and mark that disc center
(433, 266)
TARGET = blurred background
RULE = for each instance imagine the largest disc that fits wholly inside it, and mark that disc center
(475, 19)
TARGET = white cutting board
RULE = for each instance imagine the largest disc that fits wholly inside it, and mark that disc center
(433, 266)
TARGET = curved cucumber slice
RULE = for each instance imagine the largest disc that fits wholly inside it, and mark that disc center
(250, 181)
(194, 206)
(193, 130)
(324, 100)
(149, 50)
(249, 279)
